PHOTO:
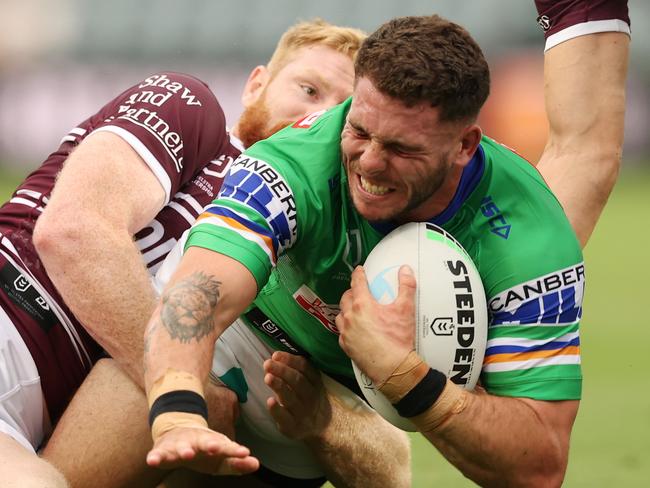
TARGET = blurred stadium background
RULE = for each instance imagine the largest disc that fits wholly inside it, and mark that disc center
(60, 60)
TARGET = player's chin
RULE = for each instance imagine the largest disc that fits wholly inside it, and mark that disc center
(382, 208)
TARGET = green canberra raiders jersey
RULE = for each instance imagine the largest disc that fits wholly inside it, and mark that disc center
(284, 212)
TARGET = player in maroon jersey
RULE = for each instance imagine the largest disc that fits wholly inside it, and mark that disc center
(585, 68)
(82, 234)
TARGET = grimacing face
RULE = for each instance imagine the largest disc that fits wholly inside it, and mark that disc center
(315, 78)
(402, 163)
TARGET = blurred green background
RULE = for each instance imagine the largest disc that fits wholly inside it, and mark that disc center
(611, 439)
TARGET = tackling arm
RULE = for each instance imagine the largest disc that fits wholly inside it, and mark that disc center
(585, 103)
(103, 196)
(206, 294)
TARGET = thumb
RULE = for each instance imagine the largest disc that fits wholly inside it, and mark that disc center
(407, 285)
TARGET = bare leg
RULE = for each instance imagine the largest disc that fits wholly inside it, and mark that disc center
(21, 468)
(103, 437)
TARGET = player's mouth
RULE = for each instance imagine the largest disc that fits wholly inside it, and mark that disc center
(376, 190)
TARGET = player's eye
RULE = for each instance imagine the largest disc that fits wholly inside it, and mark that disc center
(309, 90)
(358, 132)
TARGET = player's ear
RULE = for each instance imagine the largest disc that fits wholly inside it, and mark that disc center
(469, 141)
(257, 81)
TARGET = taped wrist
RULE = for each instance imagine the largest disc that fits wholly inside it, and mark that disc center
(176, 400)
(452, 400)
(408, 374)
(423, 394)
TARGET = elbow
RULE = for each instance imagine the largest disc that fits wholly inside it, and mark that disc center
(56, 238)
(546, 472)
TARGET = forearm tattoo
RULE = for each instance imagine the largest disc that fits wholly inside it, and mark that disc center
(188, 307)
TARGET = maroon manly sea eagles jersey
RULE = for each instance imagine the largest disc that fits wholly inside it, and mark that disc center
(175, 123)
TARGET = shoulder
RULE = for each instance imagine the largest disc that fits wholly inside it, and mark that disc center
(523, 232)
(172, 120)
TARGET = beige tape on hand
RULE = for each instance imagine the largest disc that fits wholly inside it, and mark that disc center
(452, 401)
(408, 374)
(172, 420)
(174, 380)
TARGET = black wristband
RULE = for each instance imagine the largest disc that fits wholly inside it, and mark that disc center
(423, 395)
(178, 401)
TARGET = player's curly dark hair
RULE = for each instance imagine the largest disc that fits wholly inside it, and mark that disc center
(427, 58)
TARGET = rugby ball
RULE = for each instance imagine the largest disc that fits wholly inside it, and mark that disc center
(451, 310)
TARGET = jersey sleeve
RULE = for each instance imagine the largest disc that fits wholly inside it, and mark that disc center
(253, 219)
(562, 20)
(173, 121)
(534, 279)
(275, 196)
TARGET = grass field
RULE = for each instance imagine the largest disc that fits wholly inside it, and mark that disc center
(611, 438)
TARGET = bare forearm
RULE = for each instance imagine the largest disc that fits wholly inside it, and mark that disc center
(585, 102)
(182, 331)
(360, 449)
(499, 441)
(100, 275)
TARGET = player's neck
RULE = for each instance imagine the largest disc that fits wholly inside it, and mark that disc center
(438, 202)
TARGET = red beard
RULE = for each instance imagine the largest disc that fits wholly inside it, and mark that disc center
(253, 123)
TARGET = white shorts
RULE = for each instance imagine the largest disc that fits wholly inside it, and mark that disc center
(238, 363)
(22, 407)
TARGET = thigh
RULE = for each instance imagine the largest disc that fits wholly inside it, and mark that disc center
(22, 468)
(103, 437)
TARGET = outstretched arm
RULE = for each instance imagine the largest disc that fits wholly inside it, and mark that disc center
(584, 89)
(205, 295)
(495, 441)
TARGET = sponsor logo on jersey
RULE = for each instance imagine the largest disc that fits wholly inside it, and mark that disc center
(258, 185)
(314, 306)
(544, 22)
(353, 253)
(163, 81)
(152, 123)
(21, 283)
(555, 298)
(497, 222)
(308, 121)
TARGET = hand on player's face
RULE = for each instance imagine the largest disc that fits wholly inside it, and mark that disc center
(202, 450)
(377, 337)
(300, 406)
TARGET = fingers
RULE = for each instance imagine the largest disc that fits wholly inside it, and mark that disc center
(292, 389)
(245, 465)
(292, 368)
(359, 282)
(201, 450)
(407, 286)
(282, 416)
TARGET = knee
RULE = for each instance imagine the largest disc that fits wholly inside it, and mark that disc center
(106, 365)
